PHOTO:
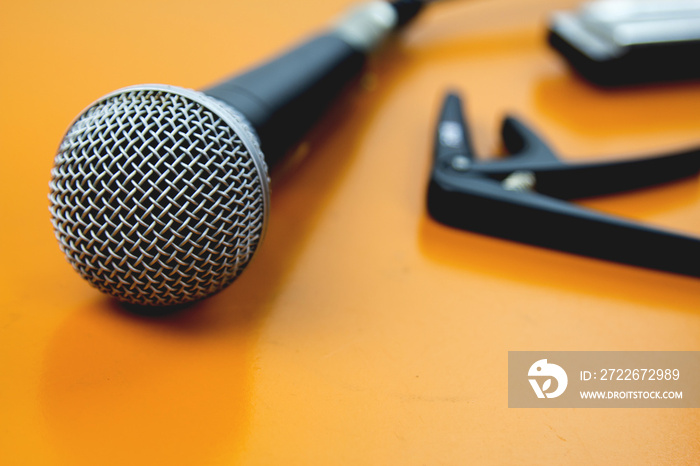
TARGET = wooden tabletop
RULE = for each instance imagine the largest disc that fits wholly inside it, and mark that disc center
(363, 333)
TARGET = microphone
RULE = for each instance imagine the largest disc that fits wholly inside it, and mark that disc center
(160, 195)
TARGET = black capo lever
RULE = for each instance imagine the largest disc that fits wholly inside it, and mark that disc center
(521, 197)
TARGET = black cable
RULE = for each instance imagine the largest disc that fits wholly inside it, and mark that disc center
(407, 10)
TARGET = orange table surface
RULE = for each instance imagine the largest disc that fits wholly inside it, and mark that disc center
(363, 332)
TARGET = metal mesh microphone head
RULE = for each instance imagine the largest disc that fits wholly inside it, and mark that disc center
(159, 195)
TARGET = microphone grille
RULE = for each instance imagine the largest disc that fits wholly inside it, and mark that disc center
(159, 195)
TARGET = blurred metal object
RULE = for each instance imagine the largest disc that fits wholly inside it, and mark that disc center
(630, 22)
(613, 42)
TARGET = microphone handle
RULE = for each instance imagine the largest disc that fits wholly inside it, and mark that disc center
(284, 97)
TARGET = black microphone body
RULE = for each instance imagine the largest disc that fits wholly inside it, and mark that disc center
(283, 98)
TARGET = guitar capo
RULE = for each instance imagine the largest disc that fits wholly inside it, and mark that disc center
(524, 197)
